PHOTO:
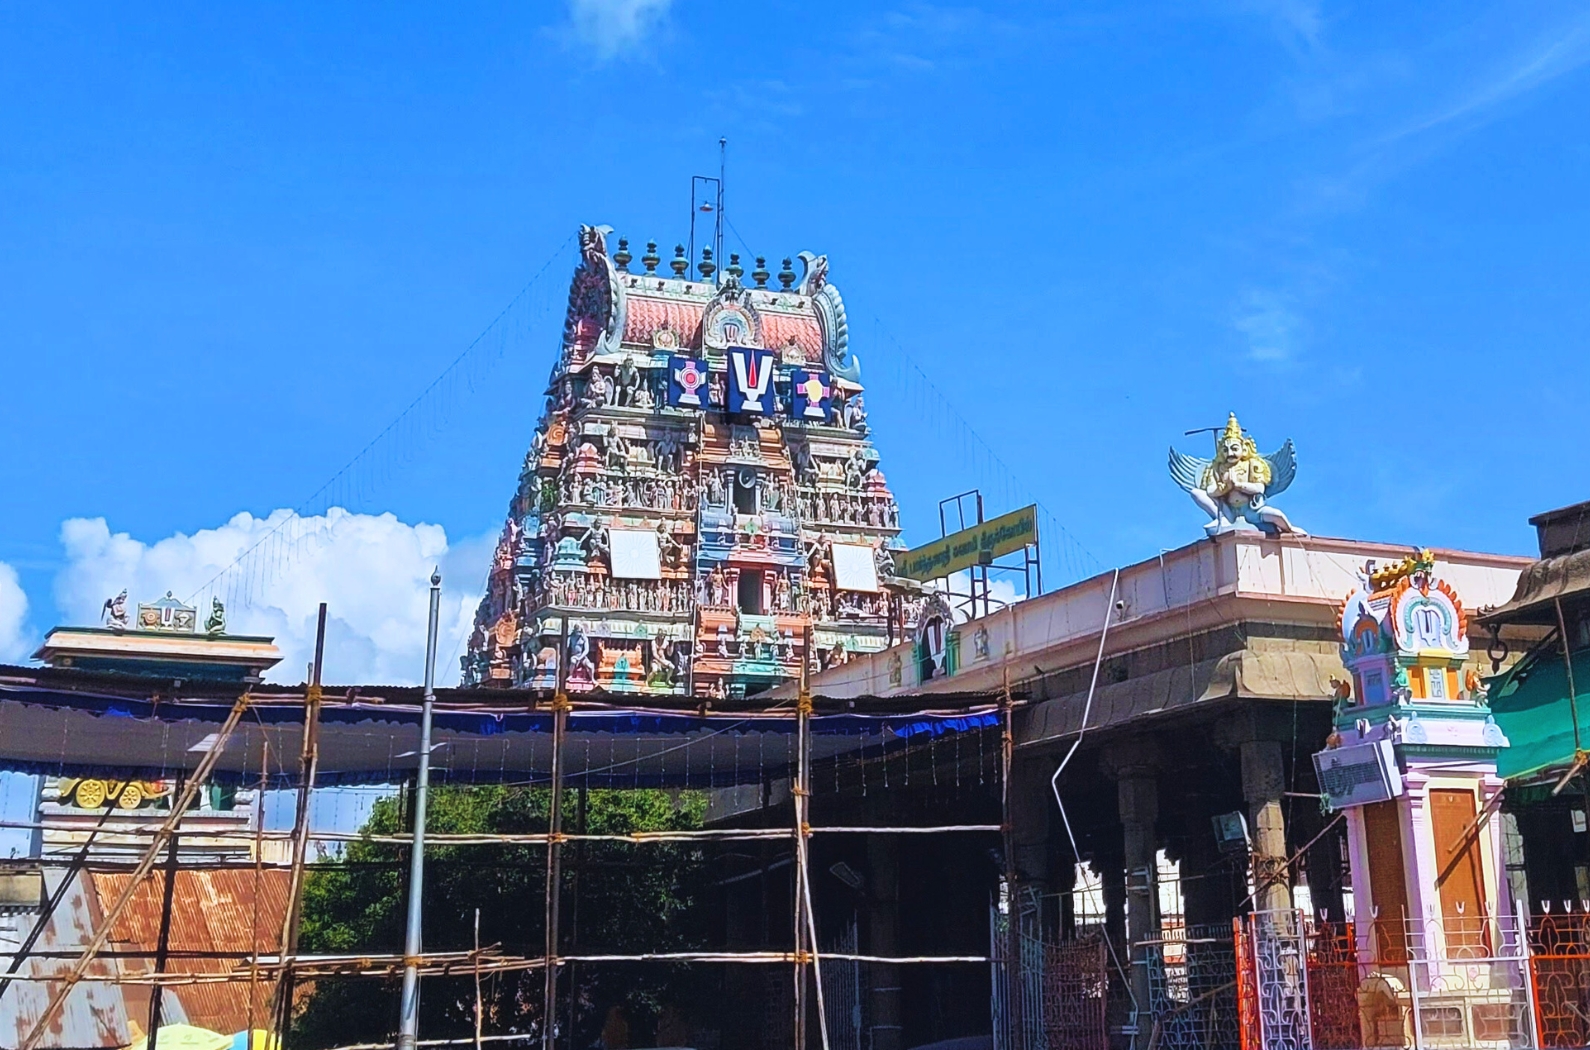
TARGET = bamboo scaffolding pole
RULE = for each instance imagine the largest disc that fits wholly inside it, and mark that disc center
(476, 1040)
(803, 710)
(1015, 1000)
(535, 838)
(163, 942)
(803, 768)
(462, 964)
(75, 865)
(259, 876)
(145, 865)
(309, 761)
(560, 726)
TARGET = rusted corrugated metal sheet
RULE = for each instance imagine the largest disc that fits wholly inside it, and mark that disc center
(212, 911)
(221, 911)
(95, 1013)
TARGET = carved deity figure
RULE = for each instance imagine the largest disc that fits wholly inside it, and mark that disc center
(595, 541)
(114, 612)
(883, 559)
(617, 453)
(598, 391)
(855, 468)
(216, 623)
(628, 382)
(670, 551)
(580, 666)
(1234, 487)
(854, 415)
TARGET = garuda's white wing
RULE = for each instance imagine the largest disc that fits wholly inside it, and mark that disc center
(1283, 468)
(1188, 471)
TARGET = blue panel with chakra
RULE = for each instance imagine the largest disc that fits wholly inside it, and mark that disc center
(811, 394)
(687, 382)
(751, 375)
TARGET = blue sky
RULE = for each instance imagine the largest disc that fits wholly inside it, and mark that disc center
(238, 242)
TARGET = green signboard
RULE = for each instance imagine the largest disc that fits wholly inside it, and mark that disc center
(962, 550)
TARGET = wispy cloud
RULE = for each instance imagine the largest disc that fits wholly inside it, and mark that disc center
(1547, 57)
(1271, 324)
(923, 37)
(1561, 50)
(611, 28)
(1296, 22)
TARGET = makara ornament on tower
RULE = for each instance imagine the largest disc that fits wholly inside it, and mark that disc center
(1235, 487)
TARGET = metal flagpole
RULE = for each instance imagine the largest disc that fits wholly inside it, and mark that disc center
(409, 1018)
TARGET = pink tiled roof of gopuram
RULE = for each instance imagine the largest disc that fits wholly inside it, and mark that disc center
(645, 315)
(779, 328)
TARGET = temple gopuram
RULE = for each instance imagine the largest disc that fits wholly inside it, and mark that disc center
(701, 507)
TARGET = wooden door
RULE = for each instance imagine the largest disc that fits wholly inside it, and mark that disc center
(1388, 888)
(1459, 877)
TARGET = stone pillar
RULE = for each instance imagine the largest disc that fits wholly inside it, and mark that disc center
(1106, 865)
(1206, 887)
(1031, 805)
(1263, 783)
(1137, 797)
(883, 980)
(1325, 862)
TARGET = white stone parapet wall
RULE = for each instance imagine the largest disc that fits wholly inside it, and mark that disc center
(1231, 577)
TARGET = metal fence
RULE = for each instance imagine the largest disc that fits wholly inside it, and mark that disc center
(1457, 982)
(1063, 988)
(1560, 977)
(1192, 988)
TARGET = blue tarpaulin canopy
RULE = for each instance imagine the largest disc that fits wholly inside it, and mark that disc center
(55, 722)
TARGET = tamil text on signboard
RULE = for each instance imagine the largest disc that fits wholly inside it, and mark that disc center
(1358, 774)
(962, 550)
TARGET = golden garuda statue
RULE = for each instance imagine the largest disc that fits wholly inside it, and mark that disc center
(1234, 488)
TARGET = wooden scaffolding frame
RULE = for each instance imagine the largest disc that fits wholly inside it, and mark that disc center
(287, 965)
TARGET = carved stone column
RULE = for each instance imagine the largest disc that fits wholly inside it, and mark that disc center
(1031, 806)
(1135, 767)
(883, 885)
(1263, 785)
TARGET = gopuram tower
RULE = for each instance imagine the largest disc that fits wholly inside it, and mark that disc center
(701, 507)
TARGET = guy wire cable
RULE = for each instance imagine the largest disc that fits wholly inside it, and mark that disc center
(1054, 782)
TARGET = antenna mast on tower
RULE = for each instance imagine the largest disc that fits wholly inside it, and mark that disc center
(706, 195)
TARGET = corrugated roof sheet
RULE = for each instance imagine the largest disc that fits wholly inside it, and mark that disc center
(212, 911)
(95, 1013)
(231, 911)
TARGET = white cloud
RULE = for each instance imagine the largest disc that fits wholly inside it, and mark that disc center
(373, 572)
(1271, 325)
(614, 27)
(15, 640)
(1002, 593)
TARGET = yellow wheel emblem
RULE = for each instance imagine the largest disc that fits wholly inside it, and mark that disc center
(132, 796)
(90, 794)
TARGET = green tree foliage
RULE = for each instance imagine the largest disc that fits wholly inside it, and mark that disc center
(618, 898)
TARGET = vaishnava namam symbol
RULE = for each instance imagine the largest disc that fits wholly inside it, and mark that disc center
(1235, 486)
